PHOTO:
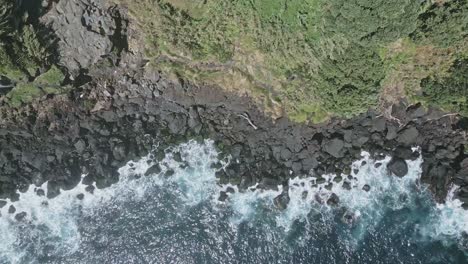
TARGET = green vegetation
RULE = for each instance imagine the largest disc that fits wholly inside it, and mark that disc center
(314, 58)
(25, 56)
(47, 83)
(449, 93)
(23, 93)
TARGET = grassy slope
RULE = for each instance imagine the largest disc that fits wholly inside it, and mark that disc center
(314, 58)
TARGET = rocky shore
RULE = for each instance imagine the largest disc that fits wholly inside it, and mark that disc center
(119, 110)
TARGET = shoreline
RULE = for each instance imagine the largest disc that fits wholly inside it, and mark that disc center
(42, 142)
(115, 114)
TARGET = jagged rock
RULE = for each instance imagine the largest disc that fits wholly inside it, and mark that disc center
(392, 132)
(269, 183)
(11, 209)
(83, 30)
(408, 136)
(379, 124)
(155, 169)
(416, 111)
(403, 152)
(90, 189)
(80, 146)
(222, 196)
(281, 201)
(20, 216)
(349, 218)
(334, 200)
(366, 187)
(169, 173)
(80, 196)
(119, 152)
(335, 147)
(398, 166)
(347, 185)
(40, 192)
(2, 204)
(309, 163)
(53, 189)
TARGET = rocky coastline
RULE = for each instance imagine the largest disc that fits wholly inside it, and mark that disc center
(118, 110)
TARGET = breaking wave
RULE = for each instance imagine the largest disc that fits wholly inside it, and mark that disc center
(175, 214)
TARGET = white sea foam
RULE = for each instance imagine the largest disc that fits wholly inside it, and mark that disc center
(56, 219)
(448, 220)
(309, 197)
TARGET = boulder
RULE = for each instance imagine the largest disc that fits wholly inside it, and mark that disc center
(269, 183)
(408, 136)
(366, 187)
(379, 124)
(222, 196)
(155, 169)
(309, 163)
(80, 196)
(416, 111)
(403, 152)
(40, 192)
(333, 200)
(334, 147)
(20, 216)
(392, 132)
(119, 152)
(398, 166)
(281, 201)
(80, 146)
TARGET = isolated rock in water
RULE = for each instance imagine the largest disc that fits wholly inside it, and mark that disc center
(155, 169)
(333, 200)
(80, 196)
(281, 201)
(335, 147)
(11, 209)
(222, 196)
(398, 167)
(20, 216)
(349, 218)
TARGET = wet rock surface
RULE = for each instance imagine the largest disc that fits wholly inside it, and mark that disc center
(123, 109)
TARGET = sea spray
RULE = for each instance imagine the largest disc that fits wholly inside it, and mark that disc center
(448, 222)
(53, 223)
(53, 227)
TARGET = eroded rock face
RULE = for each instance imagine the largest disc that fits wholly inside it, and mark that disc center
(117, 114)
(87, 31)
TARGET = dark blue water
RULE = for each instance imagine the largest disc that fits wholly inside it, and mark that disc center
(179, 220)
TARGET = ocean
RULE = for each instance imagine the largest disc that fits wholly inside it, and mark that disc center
(179, 219)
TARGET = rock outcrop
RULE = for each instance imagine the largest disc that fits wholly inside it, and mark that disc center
(117, 113)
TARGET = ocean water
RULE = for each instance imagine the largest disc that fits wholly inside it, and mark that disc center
(178, 219)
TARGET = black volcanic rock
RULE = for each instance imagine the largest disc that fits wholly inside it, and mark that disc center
(334, 200)
(281, 201)
(408, 136)
(155, 169)
(398, 166)
(334, 147)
